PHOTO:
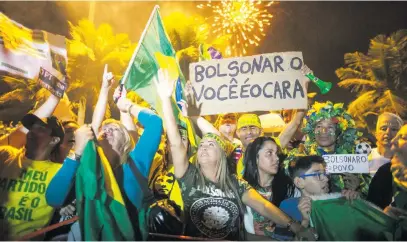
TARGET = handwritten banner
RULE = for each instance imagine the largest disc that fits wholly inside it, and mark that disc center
(346, 163)
(24, 51)
(255, 83)
(51, 83)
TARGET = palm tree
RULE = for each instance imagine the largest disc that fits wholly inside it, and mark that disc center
(19, 96)
(379, 77)
(88, 51)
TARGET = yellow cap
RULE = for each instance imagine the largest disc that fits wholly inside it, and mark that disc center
(249, 120)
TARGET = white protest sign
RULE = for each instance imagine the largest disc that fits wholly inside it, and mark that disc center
(255, 83)
(346, 163)
(27, 53)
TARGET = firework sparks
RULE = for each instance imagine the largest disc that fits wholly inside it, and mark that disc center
(243, 20)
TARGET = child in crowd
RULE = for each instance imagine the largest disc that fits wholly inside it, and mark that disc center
(308, 174)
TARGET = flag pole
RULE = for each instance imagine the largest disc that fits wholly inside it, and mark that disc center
(156, 8)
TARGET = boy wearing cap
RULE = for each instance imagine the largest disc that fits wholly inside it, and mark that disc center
(24, 177)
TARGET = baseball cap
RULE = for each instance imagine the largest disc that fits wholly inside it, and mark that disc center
(51, 122)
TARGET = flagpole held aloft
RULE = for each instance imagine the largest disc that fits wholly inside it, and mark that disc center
(155, 10)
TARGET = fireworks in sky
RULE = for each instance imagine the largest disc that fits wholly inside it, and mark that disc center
(243, 20)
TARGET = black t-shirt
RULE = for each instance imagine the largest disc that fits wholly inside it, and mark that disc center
(381, 187)
(211, 212)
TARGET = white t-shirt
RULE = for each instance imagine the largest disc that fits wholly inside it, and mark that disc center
(376, 161)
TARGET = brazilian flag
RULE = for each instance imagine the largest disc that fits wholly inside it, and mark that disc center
(155, 51)
(100, 205)
(341, 220)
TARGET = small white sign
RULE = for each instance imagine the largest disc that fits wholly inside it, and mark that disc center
(349, 163)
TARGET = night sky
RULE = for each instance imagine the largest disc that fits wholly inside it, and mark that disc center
(323, 31)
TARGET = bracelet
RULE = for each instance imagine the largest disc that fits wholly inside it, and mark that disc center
(289, 224)
(129, 108)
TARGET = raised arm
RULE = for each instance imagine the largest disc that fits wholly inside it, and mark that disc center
(100, 108)
(291, 128)
(127, 120)
(204, 125)
(17, 138)
(146, 147)
(165, 88)
(125, 117)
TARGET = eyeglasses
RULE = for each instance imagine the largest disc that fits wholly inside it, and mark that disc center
(319, 175)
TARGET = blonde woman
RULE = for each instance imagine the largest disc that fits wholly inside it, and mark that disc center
(213, 198)
(130, 163)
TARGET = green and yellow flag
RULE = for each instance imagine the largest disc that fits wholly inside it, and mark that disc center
(155, 51)
(100, 205)
(336, 219)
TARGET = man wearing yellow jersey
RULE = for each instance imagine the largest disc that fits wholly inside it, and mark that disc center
(24, 177)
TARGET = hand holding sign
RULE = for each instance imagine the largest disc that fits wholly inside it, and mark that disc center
(255, 83)
(193, 109)
(351, 181)
(108, 79)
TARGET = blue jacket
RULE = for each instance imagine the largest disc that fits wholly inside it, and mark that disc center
(134, 181)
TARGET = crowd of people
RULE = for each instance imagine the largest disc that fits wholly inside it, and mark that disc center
(180, 176)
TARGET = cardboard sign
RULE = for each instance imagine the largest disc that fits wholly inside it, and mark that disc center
(51, 83)
(255, 83)
(349, 163)
(24, 51)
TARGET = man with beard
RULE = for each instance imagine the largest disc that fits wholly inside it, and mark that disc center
(25, 175)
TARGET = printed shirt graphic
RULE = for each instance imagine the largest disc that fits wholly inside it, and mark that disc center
(254, 222)
(212, 212)
(23, 183)
(166, 185)
(163, 182)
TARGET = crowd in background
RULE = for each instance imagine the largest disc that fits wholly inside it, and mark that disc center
(178, 175)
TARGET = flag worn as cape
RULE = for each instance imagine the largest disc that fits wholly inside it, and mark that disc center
(338, 219)
(100, 205)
